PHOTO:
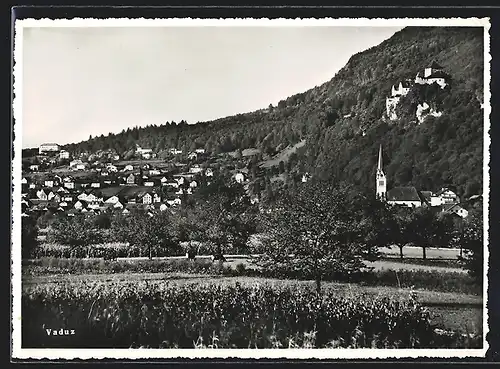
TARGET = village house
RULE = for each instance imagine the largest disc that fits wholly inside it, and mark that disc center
(174, 202)
(111, 168)
(130, 179)
(455, 209)
(68, 198)
(195, 169)
(209, 172)
(80, 205)
(49, 183)
(192, 156)
(48, 147)
(444, 196)
(63, 154)
(239, 177)
(164, 181)
(145, 153)
(174, 151)
(34, 167)
(193, 184)
(82, 166)
(199, 151)
(128, 168)
(154, 172)
(42, 194)
(69, 185)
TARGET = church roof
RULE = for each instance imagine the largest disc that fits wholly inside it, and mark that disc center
(426, 195)
(403, 194)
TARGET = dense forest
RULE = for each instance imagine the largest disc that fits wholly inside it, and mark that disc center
(343, 121)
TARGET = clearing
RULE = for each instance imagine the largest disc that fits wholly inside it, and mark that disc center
(282, 156)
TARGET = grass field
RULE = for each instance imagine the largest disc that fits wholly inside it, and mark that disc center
(416, 252)
(282, 156)
(449, 311)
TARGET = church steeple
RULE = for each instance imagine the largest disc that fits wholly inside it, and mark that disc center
(381, 182)
(379, 169)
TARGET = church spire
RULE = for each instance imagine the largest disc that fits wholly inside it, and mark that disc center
(380, 159)
(381, 182)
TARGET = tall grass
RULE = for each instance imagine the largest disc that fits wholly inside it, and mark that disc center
(160, 314)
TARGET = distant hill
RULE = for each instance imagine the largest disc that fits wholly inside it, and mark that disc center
(344, 120)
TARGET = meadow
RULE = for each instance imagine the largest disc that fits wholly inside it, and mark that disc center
(148, 310)
(179, 297)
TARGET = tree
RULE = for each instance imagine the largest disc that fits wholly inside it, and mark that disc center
(428, 229)
(28, 237)
(471, 239)
(375, 221)
(399, 227)
(78, 231)
(226, 217)
(316, 231)
(152, 233)
(102, 221)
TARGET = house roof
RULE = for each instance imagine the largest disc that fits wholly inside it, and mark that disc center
(111, 191)
(443, 190)
(435, 65)
(426, 195)
(452, 208)
(403, 194)
(406, 83)
(438, 74)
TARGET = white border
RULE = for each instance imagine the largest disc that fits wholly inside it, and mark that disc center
(19, 353)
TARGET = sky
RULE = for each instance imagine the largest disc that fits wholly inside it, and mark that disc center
(82, 81)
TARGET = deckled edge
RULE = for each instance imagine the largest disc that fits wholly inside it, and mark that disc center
(85, 354)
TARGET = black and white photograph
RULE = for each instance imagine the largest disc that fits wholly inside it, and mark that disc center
(250, 188)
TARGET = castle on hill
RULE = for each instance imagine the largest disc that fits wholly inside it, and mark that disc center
(432, 74)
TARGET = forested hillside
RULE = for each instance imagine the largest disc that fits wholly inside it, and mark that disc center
(343, 121)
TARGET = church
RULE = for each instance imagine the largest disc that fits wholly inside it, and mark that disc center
(410, 196)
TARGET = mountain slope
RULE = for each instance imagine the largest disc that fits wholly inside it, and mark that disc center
(343, 120)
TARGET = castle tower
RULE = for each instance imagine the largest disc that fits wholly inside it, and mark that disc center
(381, 182)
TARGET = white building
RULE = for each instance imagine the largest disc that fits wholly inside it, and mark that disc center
(443, 197)
(195, 169)
(239, 177)
(175, 151)
(432, 74)
(48, 147)
(63, 154)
